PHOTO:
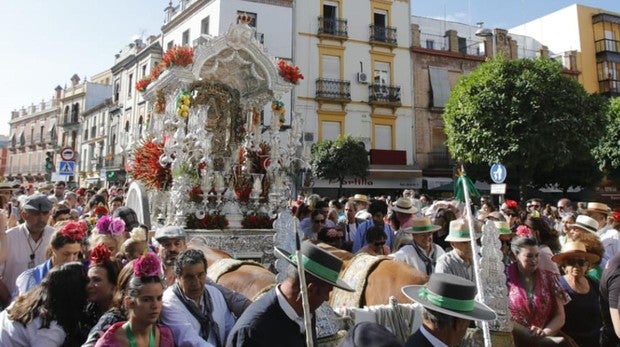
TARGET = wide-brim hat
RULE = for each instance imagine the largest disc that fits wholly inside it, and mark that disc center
(598, 207)
(575, 249)
(361, 198)
(170, 232)
(317, 262)
(586, 223)
(503, 228)
(7, 186)
(404, 205)
(459, 231)
(421, 225)
(451, 295)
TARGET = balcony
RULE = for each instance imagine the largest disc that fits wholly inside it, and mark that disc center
(114, 162)
(333, 28)
(607, 45)
(609, 87)
(329, 90)
(383, 36)
(69, 121)
(440, 159)
(383, 95)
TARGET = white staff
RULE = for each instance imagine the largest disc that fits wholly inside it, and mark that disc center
(303, 289)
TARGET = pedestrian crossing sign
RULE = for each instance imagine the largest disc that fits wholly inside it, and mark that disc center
(66, 168)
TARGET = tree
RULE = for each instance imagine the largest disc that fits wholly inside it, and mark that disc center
(337, 160)
(607, 152)
(528, 115)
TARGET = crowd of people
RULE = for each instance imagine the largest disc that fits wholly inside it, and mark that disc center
(78, 269)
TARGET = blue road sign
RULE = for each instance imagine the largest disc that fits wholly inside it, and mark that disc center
(66, 168)
(498, 173)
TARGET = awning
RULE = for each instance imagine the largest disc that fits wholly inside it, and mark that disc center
(440, 85)
(20, 137)
(52, 127)
(394, 171)
(12, 138)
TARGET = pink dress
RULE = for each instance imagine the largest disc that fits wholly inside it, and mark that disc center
(109, 340)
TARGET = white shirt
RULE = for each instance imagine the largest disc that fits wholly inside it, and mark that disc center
(409, 255)
(186, 328)
(431, 338)
(15, 334)
(20, 246)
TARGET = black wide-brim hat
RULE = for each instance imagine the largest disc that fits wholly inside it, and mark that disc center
(318, 263)
(451, 295)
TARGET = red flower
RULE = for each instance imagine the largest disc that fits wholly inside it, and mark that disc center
(100, 253)
(101, 210)
(147, 265)
(146, 167)
(75, 231)
(290, 73)
(143, 83)
(178, 55)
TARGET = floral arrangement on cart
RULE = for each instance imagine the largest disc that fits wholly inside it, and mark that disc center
(214, 155)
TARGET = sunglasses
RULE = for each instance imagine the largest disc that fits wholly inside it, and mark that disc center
(319, 221)
(379, 244)
(534, 206)
(579, 262)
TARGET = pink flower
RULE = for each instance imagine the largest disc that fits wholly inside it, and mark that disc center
(103, 224)
(147, 265)
(524, 231)
(117, 226)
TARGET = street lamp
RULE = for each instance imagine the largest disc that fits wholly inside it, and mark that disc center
(487, 33)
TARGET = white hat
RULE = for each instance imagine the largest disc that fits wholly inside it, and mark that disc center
(586, 223)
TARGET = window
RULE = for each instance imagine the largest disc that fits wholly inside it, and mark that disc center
(170, 44)
(330, 130)
(204, 26)
(331, 67)
(430, 44)
(383, 137)
(143, 71)
(330, 15)
(130, 87)
(381, 74)
(117, 90)
(380, 26)
(185, 40)
(251, 15)
(440, 85)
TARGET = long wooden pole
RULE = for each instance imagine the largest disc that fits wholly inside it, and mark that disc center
(303, 289)
(476, 256)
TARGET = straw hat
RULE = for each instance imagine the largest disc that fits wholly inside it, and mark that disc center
(404, 205)
(451, 295)
(318, 263)
(598, 207)
(503, 228)
(421, 225)
(573, 250)
(586, 223)
(360, 198)
(459, 231)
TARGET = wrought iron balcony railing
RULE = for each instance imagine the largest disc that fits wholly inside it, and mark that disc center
(336, 27)
(381, 94)
(383, 35)
(333, 90)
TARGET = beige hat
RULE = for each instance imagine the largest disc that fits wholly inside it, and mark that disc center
(404, 205)
(503, 228)
(575, 249)
(421, 225)
(360, 197)
(586, 223)
(459, 231)
(598, 207)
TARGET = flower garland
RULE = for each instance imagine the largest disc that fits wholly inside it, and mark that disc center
(110, 226)
(75, 231)
(175, 56)
(289, 72)
(257, 221)
(146, 167)
(160, 102)
(148, 265)
(100, 254)
(209, 221)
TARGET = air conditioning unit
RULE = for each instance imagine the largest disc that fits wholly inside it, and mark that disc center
(362, 77)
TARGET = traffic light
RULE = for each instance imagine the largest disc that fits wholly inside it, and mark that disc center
(49, 162)
(111, 175)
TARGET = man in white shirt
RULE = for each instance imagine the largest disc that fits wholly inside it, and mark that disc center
(196, 312)
(423, 252)
(27, 242)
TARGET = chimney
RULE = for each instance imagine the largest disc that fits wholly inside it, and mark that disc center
(14, 114)
(453, 40)
(415, 35)
(42, 104)
(58, 90)
(75, 80)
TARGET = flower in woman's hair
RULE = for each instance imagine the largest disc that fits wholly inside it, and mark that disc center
(100, 253)
(110, 226)
(524, 231)
(148, 265)
(101, 210)
(75, 231)
(137, 234)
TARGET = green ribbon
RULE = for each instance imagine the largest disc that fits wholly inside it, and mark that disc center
(459, 193)
(445, 302)
(316, 268)
(422, 228)
(460, 234)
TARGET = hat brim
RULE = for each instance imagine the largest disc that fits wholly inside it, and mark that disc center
(480, 311)
(605, 212)
(410, 210)
(279, 252)
(430, 230)
(590, 257)
(582, 227)
(461, 239)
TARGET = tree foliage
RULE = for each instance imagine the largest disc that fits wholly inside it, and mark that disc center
(528, 115)
(344, 157)
(607, 153)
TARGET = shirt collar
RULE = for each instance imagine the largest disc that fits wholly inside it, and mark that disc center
(289, 311)
(431, 338)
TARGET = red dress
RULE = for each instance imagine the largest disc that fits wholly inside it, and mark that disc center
(109, 339)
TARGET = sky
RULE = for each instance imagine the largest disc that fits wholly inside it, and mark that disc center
(46, 42)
